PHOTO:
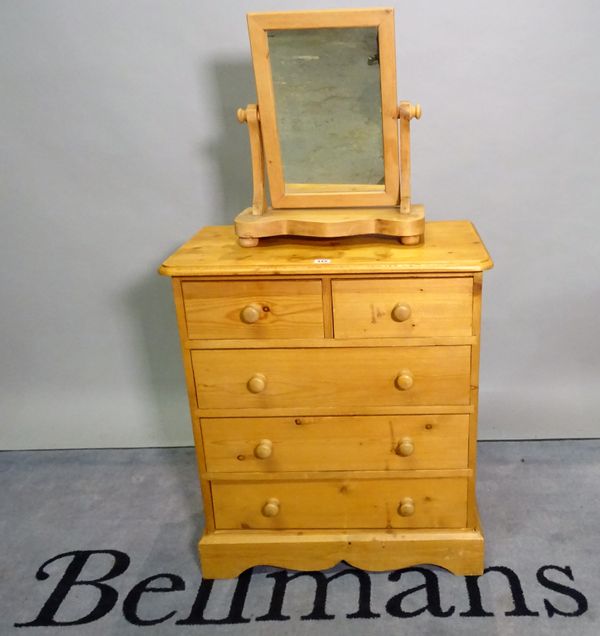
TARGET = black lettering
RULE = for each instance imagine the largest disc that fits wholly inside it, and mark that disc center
(108, 595)
(319, 611)
(578, 597)
(432, 588)
(130, 604)
(236, 609)
(475, 606)
(516, 590)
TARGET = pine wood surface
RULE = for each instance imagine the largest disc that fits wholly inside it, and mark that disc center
(449, 246)
(336, 443)
(383, 19)
(343, 504)
(405, 221)
(192, 401)
(475, 354)
(309, 378)
(284, 309)
(227, 553)
(405, 113)
(335, 409)
(361, 439)
(434, 307)
(328, 342)
(326, 475)
(322, 223)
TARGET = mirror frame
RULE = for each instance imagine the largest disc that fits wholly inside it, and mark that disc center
(323, 194)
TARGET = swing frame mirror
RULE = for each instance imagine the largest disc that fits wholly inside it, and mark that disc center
(316, 194)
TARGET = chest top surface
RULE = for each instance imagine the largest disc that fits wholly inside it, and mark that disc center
(448, 246)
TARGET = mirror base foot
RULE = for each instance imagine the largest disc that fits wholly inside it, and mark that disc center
(410, 240)
(247, 242)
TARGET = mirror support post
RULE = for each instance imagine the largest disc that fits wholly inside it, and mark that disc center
(406, 112)
(251, 117)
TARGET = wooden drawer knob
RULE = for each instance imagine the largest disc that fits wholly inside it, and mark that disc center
(257, 383)
(406, 507)
(405, 447)
(250, 313)
(271, 508)
(404, 380)
(264, 449)
(401, 312)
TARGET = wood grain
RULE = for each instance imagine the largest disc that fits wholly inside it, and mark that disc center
(449, 246)
(327, 443)
(323, 223)
(286, 309)
(191, 393)
(313, 377)
(383, 19)
(336, 443)
(360, 503)
(322, 475)
(329, 341)
(475, 353)
(251, 117)
(227, 553)
(437, 307)
(338, 409)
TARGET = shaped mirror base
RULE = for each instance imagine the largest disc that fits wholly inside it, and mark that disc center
(331, 223)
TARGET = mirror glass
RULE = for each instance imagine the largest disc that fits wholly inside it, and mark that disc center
(327, 93)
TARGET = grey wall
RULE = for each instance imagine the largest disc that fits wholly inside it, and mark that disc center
(118, 141)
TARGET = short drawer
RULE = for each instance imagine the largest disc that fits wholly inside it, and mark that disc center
(407, 307)
(282, 444)
(342, 378)
(253, 309)
(341, 503)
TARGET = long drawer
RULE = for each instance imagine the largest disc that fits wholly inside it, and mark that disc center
(337, 503)
(404, 307)
(253, 309)
(309, 378)
(282, 444)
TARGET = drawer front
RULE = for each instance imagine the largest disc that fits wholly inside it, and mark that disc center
(341, 503)
(409, 307)
(281, 444)
(345, 377)
(253, 309)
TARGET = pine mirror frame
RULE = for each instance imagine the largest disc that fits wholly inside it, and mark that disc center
(327, 195)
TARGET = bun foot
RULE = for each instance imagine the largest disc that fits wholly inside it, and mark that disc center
(410, 240)
(247, 242)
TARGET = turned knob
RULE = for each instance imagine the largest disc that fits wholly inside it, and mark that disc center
(406, 507)
(250, 313)
(401, 312)
(405, 447)
(257, 383)
(404, 380)
(242, 113)
(271, 507)
(264, 449)
(409, 111)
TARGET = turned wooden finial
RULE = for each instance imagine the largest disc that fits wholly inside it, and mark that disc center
(242, 113)
(409, 111)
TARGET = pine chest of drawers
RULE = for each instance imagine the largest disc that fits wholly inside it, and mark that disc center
(333, 393)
